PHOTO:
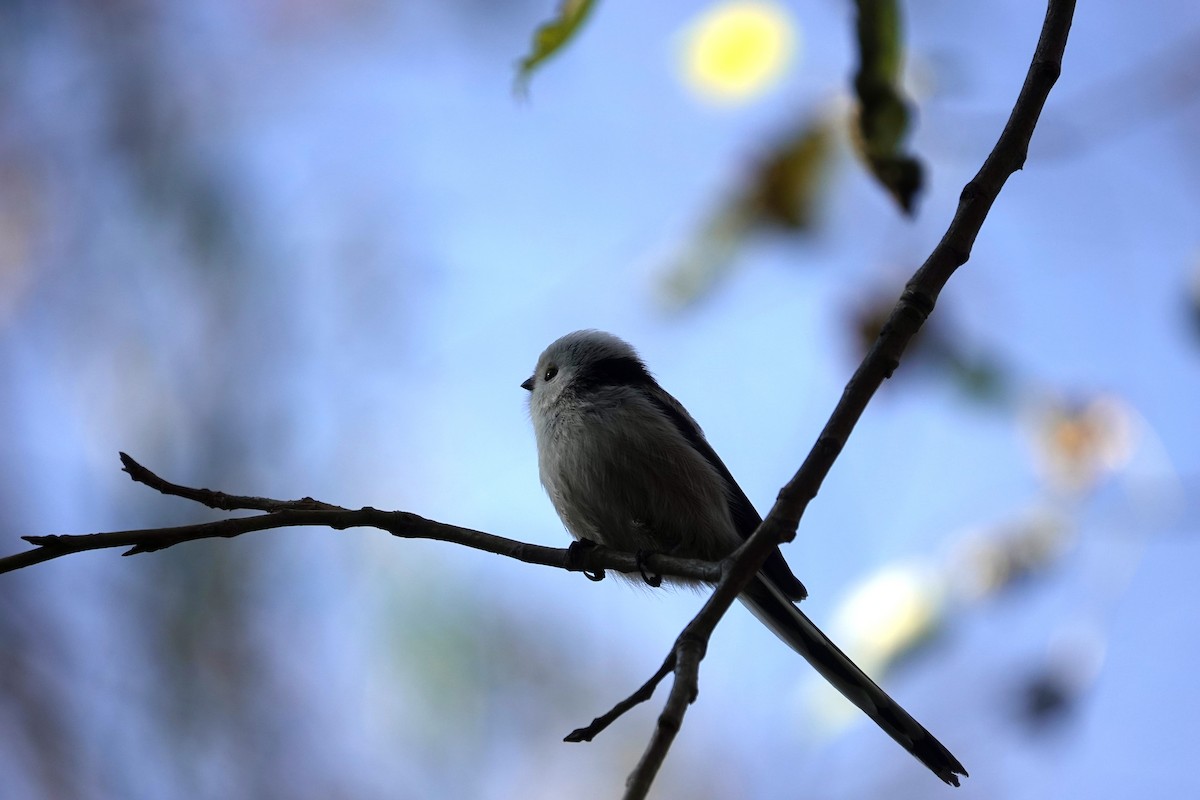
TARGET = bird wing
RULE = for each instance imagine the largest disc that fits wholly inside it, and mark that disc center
(745, 518)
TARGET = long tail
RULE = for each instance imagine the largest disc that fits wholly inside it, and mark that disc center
(790, 625)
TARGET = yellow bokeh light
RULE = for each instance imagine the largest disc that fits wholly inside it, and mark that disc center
(890, 611)
(737, 50)
(883, 617)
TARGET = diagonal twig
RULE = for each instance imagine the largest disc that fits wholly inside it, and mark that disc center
(914, 306)
(644, 693)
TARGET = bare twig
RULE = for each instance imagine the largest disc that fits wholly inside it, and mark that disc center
(910, 312)
(218, 500)
(689, 650)
(644, 693)
(309, 512)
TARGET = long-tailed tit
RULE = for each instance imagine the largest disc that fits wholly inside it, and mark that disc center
(626, 466)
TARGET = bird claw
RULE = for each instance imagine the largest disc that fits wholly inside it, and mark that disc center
(577, 558)
(652, 579)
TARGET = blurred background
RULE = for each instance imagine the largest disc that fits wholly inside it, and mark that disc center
(312, 247)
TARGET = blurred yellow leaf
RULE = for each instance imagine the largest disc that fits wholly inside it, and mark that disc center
(1075, 444)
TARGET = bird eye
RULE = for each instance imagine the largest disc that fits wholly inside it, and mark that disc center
(550, 372)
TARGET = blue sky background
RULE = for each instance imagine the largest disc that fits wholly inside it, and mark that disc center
(312, 248)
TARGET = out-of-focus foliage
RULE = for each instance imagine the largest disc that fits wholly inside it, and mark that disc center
(1193, 298)
(551, 37)
(891, 614)
(936, 349)
(992, 559)
(1078, 443)
(736, 50)
(883, 111)
(1060, 681)
(783, 193)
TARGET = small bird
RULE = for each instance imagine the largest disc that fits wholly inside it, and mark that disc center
(627, 467)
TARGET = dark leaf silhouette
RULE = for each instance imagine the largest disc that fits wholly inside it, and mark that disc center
(883, 113)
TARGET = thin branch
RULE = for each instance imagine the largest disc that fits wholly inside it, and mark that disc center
(644, 693)
(910, 312)
(309, 512)
(689, 650)
(217, 500)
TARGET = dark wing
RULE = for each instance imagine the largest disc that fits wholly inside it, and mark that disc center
(745, 518)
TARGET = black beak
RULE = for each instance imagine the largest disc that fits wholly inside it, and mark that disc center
(528, 384)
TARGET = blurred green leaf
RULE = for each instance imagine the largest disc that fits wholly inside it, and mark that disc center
(706, 257)
(782, 192)
(551, 37)
(786, 186)
(937, 349)
(981, 379)
(883, 114)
